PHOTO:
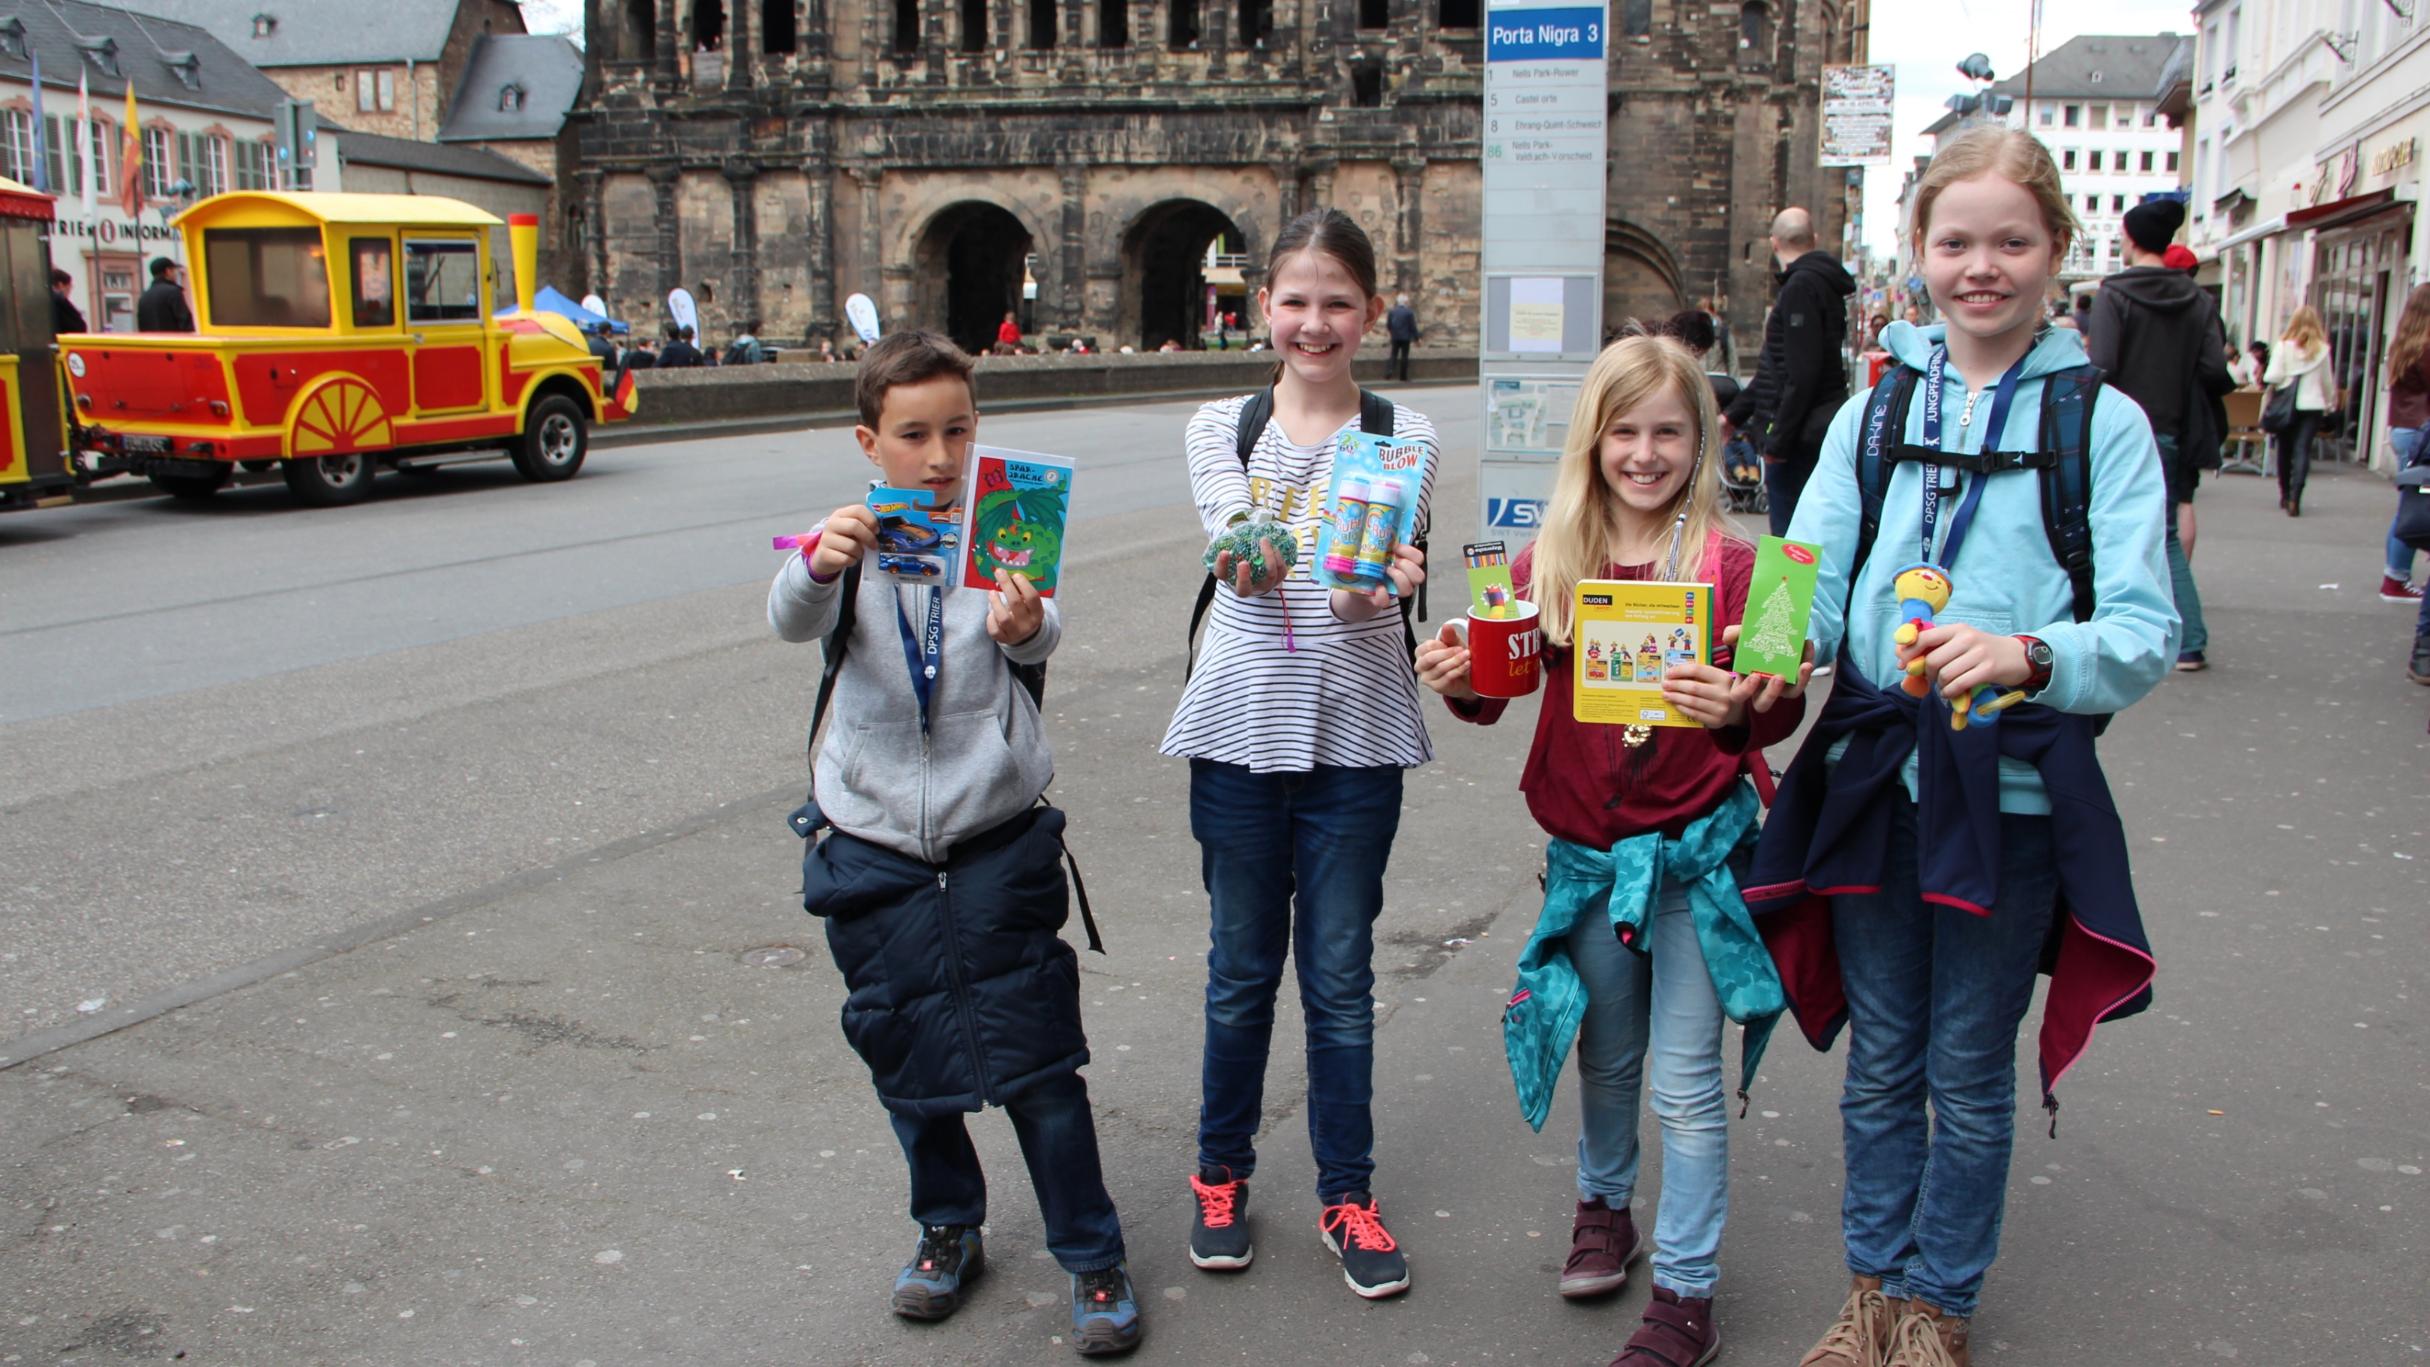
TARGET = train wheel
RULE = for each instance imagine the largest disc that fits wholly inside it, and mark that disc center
(329, 481)
(555, 439)
(340, 417)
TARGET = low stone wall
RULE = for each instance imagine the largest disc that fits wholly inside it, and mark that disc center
(809, 389)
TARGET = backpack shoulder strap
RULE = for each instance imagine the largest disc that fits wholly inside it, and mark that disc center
(2068, 398)
(1884, 428)
(839, 640)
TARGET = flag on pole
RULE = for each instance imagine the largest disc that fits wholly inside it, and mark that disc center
(42, 162)
(130, 159)
(84, 139)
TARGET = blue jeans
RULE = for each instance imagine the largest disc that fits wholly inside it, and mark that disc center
(2407, 441)
(1294, 863)
(1935, 996)
(1058, 1143)
(1668, 989)
(2197, 637)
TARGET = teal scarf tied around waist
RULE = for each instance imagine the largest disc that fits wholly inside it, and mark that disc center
(1545, 1008)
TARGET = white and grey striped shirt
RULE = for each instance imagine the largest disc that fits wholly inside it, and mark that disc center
(1343, 694)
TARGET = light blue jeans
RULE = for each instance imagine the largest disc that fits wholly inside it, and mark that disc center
(1668, 993)
(2406, 440)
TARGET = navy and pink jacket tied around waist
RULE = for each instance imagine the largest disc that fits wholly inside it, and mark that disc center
(1829, 830)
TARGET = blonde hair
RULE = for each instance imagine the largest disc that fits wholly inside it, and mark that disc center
(2305, 331)
(1582, 523)
(2010, 154)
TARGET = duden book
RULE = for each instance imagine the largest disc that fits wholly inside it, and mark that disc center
(1624, 633)
(1020, 502)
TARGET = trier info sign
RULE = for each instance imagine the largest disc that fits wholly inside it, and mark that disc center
(1545, 149)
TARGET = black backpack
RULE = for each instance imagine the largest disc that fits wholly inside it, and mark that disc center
(2064, 462)
(1375, 419)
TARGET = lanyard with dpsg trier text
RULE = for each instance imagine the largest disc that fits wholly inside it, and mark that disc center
(924, 653)
(2002, 395)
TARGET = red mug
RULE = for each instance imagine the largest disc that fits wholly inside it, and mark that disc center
(1505, 654)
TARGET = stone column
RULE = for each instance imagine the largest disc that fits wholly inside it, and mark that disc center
(742, 288)
(742, 42)
(872, 254)
(870, 40)
(1074, 43)
(935, 47)
(810, 42)
(1320, 183)
(669, 251)
(1409, 186)
(825, 308)
(667, 71)
(1073, 248)
(594, 224)
(1286, 193)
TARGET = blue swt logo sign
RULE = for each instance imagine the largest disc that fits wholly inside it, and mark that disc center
(1517, 514)
(1544, 35)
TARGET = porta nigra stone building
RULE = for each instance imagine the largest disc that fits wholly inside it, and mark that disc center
(1074, 160)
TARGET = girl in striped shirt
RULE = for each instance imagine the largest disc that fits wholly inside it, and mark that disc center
(1297, 722)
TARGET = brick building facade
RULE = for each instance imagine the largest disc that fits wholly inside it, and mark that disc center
(775, 156)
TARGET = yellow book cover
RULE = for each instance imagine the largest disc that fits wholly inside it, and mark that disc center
(1624, 634)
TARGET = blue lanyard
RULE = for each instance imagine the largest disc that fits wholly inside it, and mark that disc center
(924, 653)
(2002, 395)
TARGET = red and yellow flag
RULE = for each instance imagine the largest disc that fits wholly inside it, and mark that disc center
(130, 159)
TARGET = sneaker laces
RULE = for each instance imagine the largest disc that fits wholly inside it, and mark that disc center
(1916, 1342)
(1851, 1337)
(1101, 1290)
(1215, 1200)
(1360, 1227)
(940, 1247)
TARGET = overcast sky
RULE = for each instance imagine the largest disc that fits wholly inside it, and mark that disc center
(1924, 39)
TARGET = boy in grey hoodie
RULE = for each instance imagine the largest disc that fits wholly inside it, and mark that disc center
(941, 883)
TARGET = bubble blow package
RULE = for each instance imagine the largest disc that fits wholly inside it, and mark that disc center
(1370, 507)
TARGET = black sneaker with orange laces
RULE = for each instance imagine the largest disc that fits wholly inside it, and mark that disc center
(1219, 1235)
(1371, 1257)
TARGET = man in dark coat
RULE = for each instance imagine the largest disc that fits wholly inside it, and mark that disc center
(163, 305)
(2156, 334)
(1401, 325)
(65, 316)
(1802, 376)
(678, 352)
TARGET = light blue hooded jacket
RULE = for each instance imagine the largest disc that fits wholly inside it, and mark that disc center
(2005, 580)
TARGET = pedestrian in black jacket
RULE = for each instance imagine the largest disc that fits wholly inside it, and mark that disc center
(163, 305)
(679, 353)
(65, 316)
(1803, 374)
(2156, 334)
(1400, 325)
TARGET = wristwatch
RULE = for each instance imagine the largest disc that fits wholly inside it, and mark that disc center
(2037, 655)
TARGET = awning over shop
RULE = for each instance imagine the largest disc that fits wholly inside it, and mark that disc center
(2338, 211)
(24, 201)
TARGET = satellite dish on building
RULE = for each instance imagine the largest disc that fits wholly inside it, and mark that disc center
(863, 315)
(681, 308)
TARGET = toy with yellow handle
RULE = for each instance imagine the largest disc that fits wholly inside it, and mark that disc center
(1984, 704)
(1923, 590)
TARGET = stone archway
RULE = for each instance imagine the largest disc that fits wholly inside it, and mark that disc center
(1640, 277)
(1165, 273)
(967, 272)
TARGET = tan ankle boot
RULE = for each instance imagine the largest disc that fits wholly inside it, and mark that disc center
(1927, 1338)
(1860, 1337)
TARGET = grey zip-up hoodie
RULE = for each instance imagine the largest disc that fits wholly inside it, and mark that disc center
(984, 758)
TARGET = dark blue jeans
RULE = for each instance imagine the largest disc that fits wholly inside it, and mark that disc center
(1784, 479)
(1059, 1144)
(1935, 996)
(1294, 864)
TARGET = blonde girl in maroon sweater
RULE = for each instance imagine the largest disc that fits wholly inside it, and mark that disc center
(1637, 496)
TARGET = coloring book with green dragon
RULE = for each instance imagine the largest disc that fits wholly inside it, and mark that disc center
(1019, 502)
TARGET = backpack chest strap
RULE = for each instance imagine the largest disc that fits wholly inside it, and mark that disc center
(1976, 463)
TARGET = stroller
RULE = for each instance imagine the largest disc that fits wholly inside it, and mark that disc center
(1741, 468)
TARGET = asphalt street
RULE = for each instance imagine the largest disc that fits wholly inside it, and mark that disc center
(401, 961)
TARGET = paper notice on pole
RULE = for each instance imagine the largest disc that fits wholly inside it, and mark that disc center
(1535, 315)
